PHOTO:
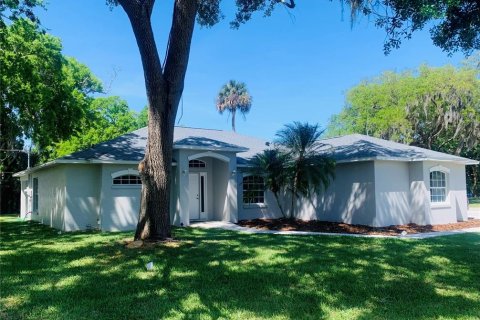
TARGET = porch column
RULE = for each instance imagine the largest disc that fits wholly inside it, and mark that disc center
(232, 212)
(183, 189)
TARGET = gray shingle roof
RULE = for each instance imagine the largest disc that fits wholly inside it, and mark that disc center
(356, 147)
(131, 146)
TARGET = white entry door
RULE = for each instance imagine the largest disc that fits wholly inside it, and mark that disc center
(194, 188)
(198, 195)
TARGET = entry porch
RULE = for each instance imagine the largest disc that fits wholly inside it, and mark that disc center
(205, 187)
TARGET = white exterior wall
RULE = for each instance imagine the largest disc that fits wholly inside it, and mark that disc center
(351, 196)
(392, 193)
(375, 193)
(82, 196)
(380, 193)
(119, 205)
(175, 204)
(25, 198)
(419, 194)
(51, 197)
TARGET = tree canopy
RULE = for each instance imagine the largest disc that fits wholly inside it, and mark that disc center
(428, 107)
(233, 97)
(42, 92)
(453, 25)
(106, 118)
(12, 10)
(434, 108)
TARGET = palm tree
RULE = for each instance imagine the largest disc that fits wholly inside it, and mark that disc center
(233, 97)
(272, 165)
(310, 169)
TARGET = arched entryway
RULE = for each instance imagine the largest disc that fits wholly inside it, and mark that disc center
(208, 179)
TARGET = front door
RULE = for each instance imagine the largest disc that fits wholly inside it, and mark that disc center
(198, 195)
(194, 187)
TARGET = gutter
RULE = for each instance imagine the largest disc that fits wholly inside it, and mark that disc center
(189, 147)
(463, 161)
(66, 161)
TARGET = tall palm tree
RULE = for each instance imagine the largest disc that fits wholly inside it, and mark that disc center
(311, 170)
(233, 97)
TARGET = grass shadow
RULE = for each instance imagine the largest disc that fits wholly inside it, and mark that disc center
(212, 274)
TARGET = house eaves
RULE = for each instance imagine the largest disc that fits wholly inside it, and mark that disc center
(63, 161)
(463, 161)
(205, 148)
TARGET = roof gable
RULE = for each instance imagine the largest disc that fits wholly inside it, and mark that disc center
(131, 146)
(357, 147)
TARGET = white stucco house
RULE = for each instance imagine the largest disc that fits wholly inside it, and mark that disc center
(378, 183)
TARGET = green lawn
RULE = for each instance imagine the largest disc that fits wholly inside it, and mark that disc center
(474, 202)
(212, 274)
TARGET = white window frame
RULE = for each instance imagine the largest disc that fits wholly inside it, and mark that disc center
(197, 164)
(120, 173)
(254, 204)
(446, 172)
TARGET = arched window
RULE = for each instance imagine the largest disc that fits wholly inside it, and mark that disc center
(127, 177)
(438, 186)
(253, 190)
(196, 164)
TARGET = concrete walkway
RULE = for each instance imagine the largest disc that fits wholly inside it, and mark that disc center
(234, 227)
(474, 212)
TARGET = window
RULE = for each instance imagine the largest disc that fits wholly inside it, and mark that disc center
(438, 187)
(127, 179)
(196, 164)
(253, 190)
(35, 194)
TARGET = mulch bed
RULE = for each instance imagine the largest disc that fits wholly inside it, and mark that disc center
(338, 227)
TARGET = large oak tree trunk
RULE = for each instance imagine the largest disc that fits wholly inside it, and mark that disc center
(164, 89)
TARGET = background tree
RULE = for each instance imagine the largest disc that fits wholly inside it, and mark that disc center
(455, 22)
(454, 25)
(142, 119)
(12, 10)
(107, 118)
(43, 95)
(233, 97)
(434, 108)
(428, 107)
(376, 107)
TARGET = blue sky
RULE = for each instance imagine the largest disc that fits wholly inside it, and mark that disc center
(297, 64)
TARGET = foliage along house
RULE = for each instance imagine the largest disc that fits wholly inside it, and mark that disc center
(378, 183)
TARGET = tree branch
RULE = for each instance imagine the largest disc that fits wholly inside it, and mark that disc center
(139, 12)
(288, 3)
(178, 51)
